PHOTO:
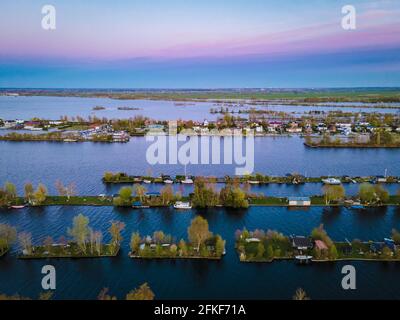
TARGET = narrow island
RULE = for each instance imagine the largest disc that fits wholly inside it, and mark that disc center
(202, 244)
(205, 195)
(84, 243)
(268, 246)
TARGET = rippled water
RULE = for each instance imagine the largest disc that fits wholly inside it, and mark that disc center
(85, 163)
(199, 279)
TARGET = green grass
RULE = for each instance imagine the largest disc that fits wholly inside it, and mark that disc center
(268, 201)
(78, 201)
(73, 251)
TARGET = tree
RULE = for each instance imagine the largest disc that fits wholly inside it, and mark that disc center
(142, 293)
(48, 242)
(260, 250)
(29, 191)
(103, 295)
(204, 194)
(373, 194)
(8, 235)
(80, 231)
(320, 234)
(270, 251)
(11, 191)
(135, 242)
(158, 237)
(198, 232)
(300, 295)
(124, 198)
(98, 238)
(396, 236)
(167, 194)
(333, 253)
(382, 195)
(333, 193)
(139, 191)
(366, 193)
(232, 196)
(40, 194)
(183, 251)
(115, 232)
(25, 240)
(386, 253)
(219, 245)
(108, 176)
(60, 188)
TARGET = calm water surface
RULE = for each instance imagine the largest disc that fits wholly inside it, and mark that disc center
(54, 107)
(85, 163)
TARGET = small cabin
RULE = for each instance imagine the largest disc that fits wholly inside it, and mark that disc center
(299, 201)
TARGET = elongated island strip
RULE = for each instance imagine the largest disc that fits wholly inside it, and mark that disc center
(269, 246)
(202, 244)
(308, 96)
(232, 195)
(85, 242)
(255, 179)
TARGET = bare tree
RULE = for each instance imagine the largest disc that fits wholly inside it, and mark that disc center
(25, 239)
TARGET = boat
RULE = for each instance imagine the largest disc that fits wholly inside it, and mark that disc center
(70, 140)
(187, 181)
(303, 258)
(168, 181)
(332, 181)
(182, 205)
(17, 207)
(146, 181)
(357, 206)
(253, 182)
(139, 205)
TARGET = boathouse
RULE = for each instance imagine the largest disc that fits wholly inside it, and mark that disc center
(299, 201)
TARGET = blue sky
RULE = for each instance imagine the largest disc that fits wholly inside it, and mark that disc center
(199, 44)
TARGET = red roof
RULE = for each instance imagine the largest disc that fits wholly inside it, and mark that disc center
(320, 245)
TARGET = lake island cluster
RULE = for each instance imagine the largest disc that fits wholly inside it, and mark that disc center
(169, 218)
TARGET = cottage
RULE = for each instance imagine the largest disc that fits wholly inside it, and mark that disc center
(301, 243)
(299, 201)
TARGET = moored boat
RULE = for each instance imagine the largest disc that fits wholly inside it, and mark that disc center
(17, 207)
(182, 205)
(187, 181)
(332, 181)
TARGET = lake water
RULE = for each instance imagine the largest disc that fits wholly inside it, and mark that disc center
(227, 278)
(53, 107)
(85, 163)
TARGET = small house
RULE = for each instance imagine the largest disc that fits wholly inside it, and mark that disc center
(301, 243)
